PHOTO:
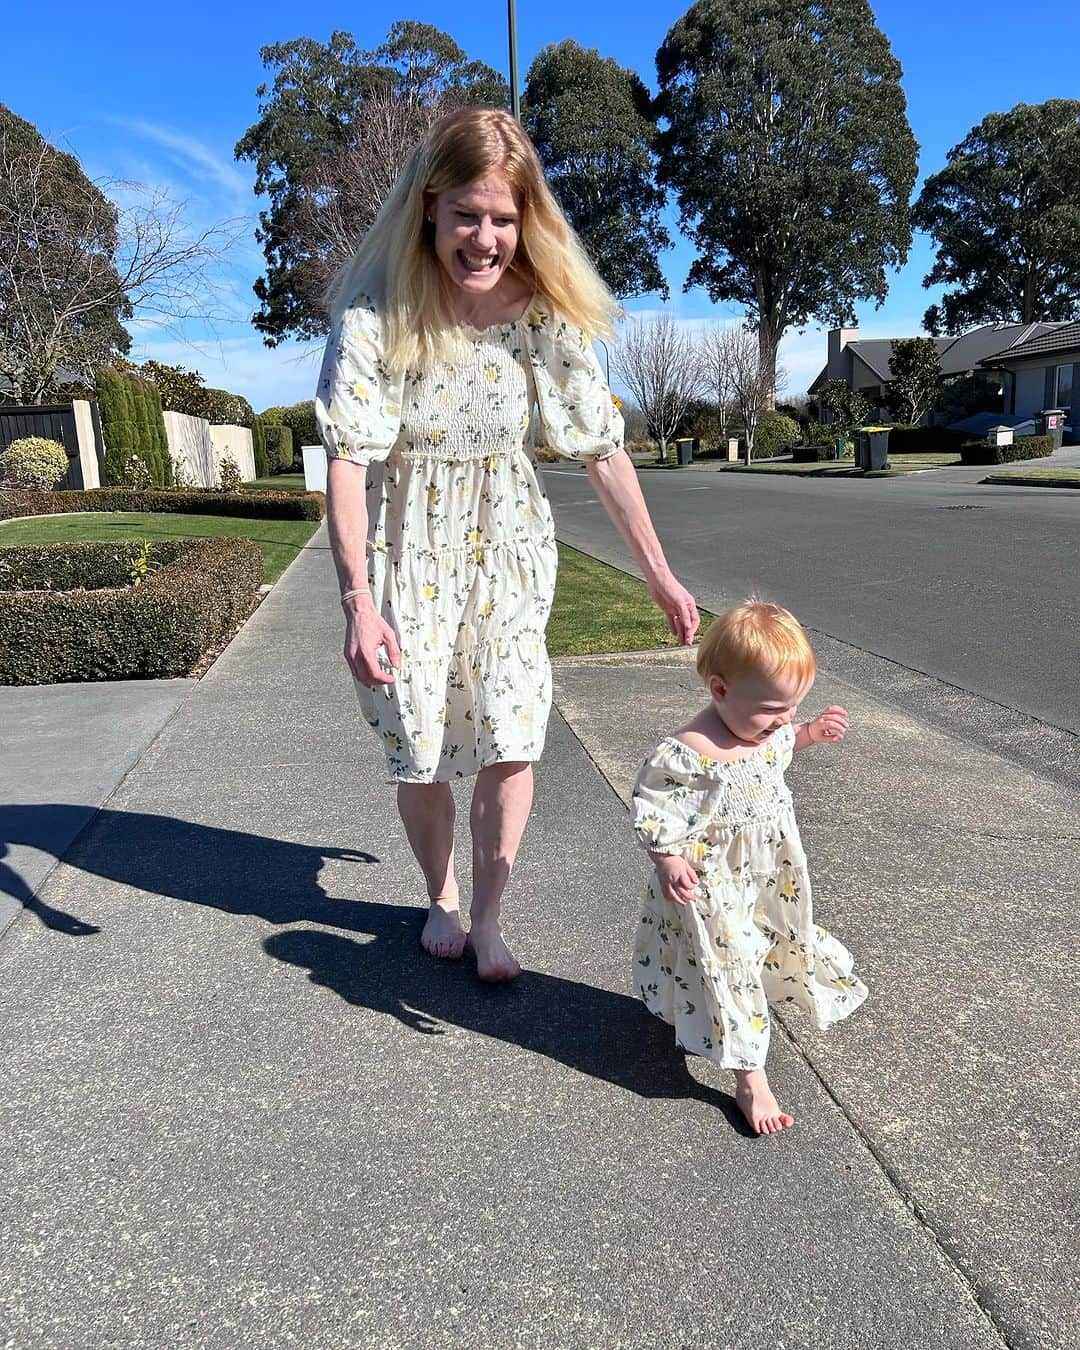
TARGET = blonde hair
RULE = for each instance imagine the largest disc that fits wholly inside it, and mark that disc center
(396, 264)
(756, 635)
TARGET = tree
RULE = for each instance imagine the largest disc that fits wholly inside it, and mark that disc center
(754, 377)
(848, 407)
(592, 124)
(717, 373)
(788, 145)
(658, 362)
(1005, 216)
(73, 265)
(916, 384)
(325, 118)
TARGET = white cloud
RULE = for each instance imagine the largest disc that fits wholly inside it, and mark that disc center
(197, 159)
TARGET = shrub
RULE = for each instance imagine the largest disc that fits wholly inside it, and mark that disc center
(134, 473)
(909, 440)
(279, 447)
(813, 454)
(132, 424)
(110, 629)
(300, 419)
(1024, 447)
(776, 432)
(194, 501)
(34, 462)
(258, 447)
(229, 478)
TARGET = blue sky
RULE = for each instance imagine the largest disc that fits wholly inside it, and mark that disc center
(162, 98)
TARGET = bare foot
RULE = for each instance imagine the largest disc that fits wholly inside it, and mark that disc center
(755, 1100)
(443, 934)
(494, 959)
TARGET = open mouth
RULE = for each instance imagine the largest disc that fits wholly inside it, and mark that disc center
(473, 263)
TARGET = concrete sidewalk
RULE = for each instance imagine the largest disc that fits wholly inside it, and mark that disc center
(248, 1111)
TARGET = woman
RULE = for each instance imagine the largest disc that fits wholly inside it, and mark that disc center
(469, 301)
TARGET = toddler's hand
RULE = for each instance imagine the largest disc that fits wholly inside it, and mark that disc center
(830, 728)
(678, 880)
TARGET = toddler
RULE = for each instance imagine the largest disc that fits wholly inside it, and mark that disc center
(728, 926)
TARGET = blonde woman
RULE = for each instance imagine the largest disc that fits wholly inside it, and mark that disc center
(469, 302)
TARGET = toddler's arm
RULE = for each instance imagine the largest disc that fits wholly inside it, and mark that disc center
(661, 809)
(828, 729)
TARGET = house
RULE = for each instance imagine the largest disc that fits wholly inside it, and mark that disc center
(863, 363)
(1042, 371)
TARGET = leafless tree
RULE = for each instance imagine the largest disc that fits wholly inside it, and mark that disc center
(74, 265)
(753, 382)
(658, 362)
(716, 374)
(341, 196)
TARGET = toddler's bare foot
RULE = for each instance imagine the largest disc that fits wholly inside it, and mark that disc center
(443, 933)
(755, 1100)
(494, 959)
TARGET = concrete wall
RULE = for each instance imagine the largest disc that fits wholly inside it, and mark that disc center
(199, 448)
(235, 441)
(191, 447)
(84, 428)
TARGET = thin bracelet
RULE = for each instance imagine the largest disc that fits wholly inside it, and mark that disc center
(359, 590)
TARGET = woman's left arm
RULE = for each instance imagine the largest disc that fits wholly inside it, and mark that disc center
(615, 481)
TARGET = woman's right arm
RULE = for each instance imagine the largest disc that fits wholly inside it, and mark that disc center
(365, 630)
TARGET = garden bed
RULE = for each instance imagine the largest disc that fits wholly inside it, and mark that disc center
(72, 612)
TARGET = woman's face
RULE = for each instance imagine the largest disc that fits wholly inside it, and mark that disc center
(476, 231)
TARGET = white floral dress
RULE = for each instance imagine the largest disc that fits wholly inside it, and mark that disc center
(712, 967)
(461, 546)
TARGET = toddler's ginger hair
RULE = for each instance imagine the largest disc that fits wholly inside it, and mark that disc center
(756, 635)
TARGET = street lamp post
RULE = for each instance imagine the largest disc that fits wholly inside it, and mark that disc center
(515, 97)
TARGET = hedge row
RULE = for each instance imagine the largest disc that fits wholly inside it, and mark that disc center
(813, 454)
(1024, 447)
(112, 630)
(198, 502)
(926, 440)
(133, 425)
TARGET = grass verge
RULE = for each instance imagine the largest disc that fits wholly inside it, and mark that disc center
(1067, 478)
(597, 608)
(279, 540)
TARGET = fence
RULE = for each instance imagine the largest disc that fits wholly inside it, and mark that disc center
(75, 425)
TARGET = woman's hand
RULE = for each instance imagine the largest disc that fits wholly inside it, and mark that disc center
(678, 606)
(678, 880)
(828, 729)
(365, 633)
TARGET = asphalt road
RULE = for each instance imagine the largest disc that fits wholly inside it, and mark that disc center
(974, 586)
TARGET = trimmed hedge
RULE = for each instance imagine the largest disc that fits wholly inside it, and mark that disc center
(813, 454)
(68, 612)
(1024, 447)
(775, 433)
(925, 440)
(258, 447)
(279, 447)
(189, 501)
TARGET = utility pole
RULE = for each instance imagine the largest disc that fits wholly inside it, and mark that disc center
(515, 97)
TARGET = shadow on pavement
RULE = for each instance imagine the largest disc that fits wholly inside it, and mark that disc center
(606, 1035)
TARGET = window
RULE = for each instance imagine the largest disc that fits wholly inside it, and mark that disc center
(1063, 396)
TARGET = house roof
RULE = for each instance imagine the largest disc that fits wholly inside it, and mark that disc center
(876, 353)
(1056, 338)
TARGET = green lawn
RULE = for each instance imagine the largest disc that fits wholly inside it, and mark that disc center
(279, 540)
(600, 609)
(277, 482)
(1035, 477)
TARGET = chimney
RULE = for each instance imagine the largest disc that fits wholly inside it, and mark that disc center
(838, 340)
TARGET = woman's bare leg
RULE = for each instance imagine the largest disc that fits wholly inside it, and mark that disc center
(501, 803)
(427, 812)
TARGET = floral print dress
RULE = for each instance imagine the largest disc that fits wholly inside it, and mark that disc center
(461, 545)
(712, 967)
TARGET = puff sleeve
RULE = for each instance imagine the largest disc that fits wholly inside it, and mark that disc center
(666, 806)
(358, 402)
(573, 398)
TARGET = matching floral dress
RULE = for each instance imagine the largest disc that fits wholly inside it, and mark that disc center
(461, 546)
(712, 967)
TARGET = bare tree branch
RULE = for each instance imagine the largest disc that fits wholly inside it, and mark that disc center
(753, 376)
(659, 363)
